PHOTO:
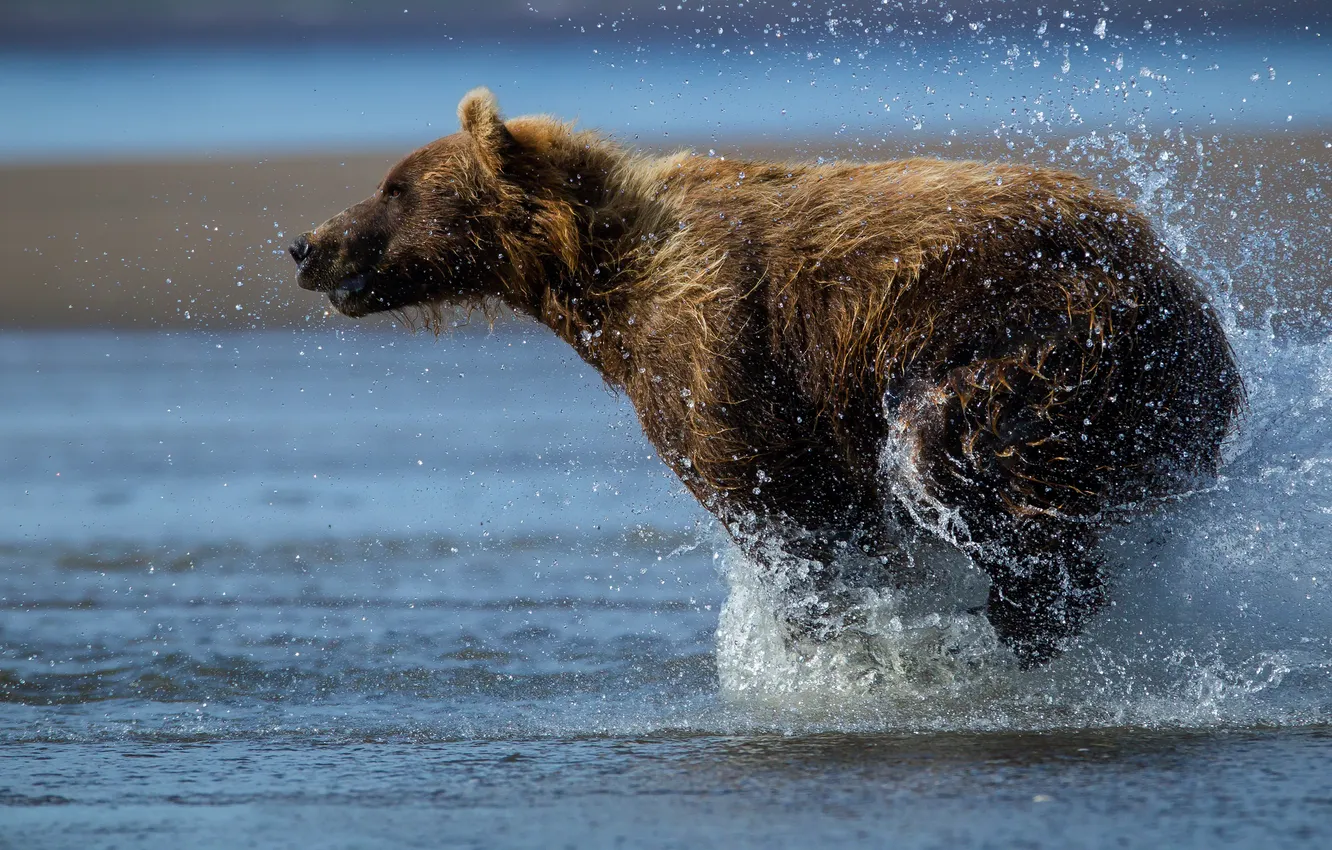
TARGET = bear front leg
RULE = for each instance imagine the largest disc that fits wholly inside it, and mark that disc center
(1045, 584)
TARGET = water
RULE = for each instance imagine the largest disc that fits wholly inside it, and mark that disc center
(284, 521)
(377, 585)
(864, 92)
(1232, 789)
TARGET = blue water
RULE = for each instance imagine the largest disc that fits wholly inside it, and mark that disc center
(352, 585)
(865, 90)
(1205, 791)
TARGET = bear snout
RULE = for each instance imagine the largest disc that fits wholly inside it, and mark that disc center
(301, 248)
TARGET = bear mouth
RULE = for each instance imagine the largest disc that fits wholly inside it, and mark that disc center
(370, 292)
(360, 293)
(353, 296)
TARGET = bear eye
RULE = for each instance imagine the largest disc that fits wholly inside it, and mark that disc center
(392, 192)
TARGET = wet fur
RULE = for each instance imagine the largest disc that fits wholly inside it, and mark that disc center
(836, 353)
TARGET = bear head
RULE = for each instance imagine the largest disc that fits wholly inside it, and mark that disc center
(445, 226)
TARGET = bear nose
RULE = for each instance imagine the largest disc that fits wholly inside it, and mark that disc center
(301, 248)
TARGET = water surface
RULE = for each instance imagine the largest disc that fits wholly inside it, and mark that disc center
(868, 93)
(384, 587)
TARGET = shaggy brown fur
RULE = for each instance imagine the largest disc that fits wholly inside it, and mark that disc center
(836, 354)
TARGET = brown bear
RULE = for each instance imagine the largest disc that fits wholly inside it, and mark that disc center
(833, 357)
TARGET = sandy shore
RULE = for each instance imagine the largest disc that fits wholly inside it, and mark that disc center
(166, 244)
(179, 244)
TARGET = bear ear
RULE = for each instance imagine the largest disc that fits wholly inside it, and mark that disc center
(479, 114)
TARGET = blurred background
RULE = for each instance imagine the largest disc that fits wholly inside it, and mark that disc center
(156, 156)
